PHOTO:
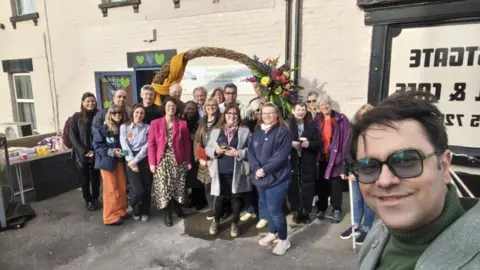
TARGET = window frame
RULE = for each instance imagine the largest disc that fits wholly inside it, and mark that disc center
(23, 100)
(20, 18)
(106, 4)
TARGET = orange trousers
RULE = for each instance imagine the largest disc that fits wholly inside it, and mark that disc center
(114, 194)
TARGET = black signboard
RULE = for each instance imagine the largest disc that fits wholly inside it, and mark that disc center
(147, 59)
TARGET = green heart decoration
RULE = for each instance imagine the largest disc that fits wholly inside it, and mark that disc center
(107, 104)
(125, 82)
(159, 58)
(140, 59)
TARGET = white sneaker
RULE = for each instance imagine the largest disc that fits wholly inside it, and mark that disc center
(136, 218)
(265, 241)
(145, 218)
(248, 216)
(281, 247)
(262, 223)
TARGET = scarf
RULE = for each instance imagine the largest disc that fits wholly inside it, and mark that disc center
(266, 127)
(230, 132)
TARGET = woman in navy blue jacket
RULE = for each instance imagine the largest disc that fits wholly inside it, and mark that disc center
(269, 158)
(110, 160)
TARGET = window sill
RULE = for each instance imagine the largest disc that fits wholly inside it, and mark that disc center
(105, 6)
(26, 17)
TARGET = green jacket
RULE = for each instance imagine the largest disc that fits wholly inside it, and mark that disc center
(458, 247)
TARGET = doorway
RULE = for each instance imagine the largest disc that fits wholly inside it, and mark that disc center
(144, 76)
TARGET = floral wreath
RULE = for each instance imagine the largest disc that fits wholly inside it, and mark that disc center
(275, 83)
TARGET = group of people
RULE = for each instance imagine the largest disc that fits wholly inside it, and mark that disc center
(230, 156)
(233, 157)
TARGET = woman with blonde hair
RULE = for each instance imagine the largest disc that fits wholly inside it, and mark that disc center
(360, 207)
(109, 158)
(205, 126)
(269, 158)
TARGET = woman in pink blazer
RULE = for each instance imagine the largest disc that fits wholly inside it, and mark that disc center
(169, 157)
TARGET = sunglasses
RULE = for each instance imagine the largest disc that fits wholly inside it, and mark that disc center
(312, 101)
(403, 164)
(115, 113)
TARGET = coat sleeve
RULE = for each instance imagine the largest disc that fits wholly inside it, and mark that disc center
(315, 139)
(143, 151)
(244, 150)
(212, 144)
(124, 143)
(345, 137)
(252, 158)
(187, 143)
(98, 120)
(99, 143)
(281, 153)
(152, 144)
(74, 135)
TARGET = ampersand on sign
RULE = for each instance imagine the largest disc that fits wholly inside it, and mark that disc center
(459, 94)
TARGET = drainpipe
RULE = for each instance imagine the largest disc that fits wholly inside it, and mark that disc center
(51, 71)
(298, 23)
(288, 30)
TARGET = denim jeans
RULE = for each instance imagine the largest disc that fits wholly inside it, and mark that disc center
(361, 209)
(256, 204)
(274, 198)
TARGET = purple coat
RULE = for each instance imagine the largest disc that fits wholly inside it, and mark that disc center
(338, 146)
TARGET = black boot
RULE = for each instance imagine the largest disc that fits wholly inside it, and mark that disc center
(177, 208)
(91, 206)
(296, 217)
(168, 215)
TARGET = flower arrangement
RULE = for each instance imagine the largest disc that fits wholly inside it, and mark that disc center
(275, 83)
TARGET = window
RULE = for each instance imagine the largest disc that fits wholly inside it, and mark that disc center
(106, 4)
(24, 99)
(25, 7)
(23, 10)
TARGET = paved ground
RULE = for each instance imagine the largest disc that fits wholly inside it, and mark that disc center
(66, 236)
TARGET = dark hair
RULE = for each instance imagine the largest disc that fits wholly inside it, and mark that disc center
(401, 106)
(191, 102)
(223, 119)
(302, 104)
(167, 99)
(139, 105)
(230, 85)
(83, 111)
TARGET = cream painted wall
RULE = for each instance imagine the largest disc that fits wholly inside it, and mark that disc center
(84, 42)
(27, 41)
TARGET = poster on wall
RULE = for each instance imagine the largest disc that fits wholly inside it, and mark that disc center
(212, 77)
(445, 61)
(109, 82)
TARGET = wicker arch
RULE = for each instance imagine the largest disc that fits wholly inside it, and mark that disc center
(205, 52)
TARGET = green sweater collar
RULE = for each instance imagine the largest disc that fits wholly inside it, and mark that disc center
(452, 210)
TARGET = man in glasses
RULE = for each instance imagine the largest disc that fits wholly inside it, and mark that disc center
(401, 161)
(230, 93)
(119, 98)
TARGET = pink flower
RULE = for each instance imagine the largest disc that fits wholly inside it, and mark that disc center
(287, 86)
(252, 79)
(285, 94)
